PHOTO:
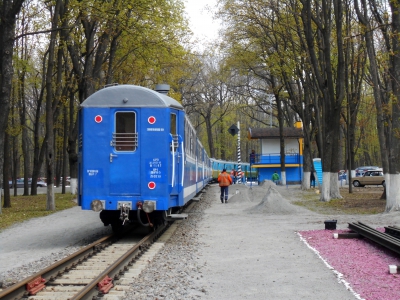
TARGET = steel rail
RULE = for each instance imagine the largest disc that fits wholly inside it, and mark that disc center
(120, 266)
(19, 290)
(91, 290)
(378, 237)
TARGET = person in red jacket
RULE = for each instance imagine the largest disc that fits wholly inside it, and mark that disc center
(225, 181)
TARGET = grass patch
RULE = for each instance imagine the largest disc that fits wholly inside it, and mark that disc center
(362, 201)
(27, 207)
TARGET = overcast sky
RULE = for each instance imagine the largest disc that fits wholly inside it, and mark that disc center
(201, 22)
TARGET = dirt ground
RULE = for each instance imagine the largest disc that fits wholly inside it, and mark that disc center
(363, 200)
(365, 197)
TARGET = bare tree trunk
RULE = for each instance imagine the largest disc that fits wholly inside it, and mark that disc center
(306, 117)
(50, 155)
(15, 162)
(393, 180)
(210, 136)
(354, 76)
(38, 150)
(330, 80)
(281, 137)
(25, 138)
(58, 162)
(6, 171)
(72, 146)
(376, 86)
(21, 101)
(64, 150)
(14, 153)
(9, 10)
(221, 138)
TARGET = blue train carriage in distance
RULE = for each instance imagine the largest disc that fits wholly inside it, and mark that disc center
(218, 165)
(139, 156)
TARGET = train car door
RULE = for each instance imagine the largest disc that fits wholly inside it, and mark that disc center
(124, 155)
(176, 150)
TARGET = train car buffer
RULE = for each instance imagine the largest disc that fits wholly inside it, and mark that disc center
(177, 217)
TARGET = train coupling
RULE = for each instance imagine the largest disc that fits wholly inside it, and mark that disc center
(124, 213)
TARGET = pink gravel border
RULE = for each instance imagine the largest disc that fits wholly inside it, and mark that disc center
(362, 266)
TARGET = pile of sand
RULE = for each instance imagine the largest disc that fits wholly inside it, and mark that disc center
(273, 203)
(239, 193)
(267, 183)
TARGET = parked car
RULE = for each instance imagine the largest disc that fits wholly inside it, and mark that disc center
(361, 170)
(67, 180)
(41, 183)
(370, 177)
(20, 183)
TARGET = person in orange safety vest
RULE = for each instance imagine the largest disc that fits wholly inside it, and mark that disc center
(225, 181)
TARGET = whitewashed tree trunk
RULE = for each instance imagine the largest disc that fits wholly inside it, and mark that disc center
(74, 186)
(330, 187)
(283, 178)
(334, 189)
(392, 192)
(325, 188)
(305, 185)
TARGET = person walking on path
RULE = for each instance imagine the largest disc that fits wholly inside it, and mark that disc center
(275, 178)
(225, 181)
(312, 180)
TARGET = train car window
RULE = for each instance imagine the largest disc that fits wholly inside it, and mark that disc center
(191, 143)
(187, 141)
(173, 131)
(125, 136)
(173, 124)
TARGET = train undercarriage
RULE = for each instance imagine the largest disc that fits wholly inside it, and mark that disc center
(119, 218)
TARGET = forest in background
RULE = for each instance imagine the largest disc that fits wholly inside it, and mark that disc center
(330, 64)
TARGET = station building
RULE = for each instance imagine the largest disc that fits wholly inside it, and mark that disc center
(269, 160)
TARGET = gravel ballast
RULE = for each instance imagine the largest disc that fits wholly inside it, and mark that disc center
(249, 248)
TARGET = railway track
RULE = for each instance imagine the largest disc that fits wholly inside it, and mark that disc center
(101, 270)
(389, 239)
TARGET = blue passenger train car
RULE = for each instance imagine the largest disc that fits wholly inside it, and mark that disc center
(139, 156)
(218, 165)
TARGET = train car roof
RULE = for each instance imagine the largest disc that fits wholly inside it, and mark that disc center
(129, 96)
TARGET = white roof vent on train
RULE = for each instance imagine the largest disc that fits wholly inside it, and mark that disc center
(162, 88)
